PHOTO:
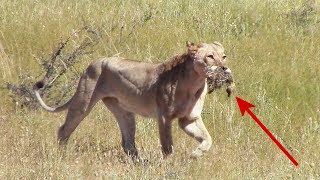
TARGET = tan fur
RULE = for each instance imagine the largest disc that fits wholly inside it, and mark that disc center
(165, 91)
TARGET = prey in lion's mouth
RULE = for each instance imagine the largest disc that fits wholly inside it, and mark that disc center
(219, 76)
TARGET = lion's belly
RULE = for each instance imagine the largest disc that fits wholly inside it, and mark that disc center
(144, 107)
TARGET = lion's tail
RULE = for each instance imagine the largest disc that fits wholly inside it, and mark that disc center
(36, 89)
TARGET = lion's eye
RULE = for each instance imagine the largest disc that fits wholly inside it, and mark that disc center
(224, 57)
(210, 56)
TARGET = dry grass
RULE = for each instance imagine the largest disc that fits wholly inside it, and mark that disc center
(273, 49)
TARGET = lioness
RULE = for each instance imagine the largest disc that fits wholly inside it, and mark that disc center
(175, 88)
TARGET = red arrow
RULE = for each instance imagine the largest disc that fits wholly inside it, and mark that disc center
(245, 106)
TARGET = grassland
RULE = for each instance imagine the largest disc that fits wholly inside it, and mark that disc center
(273, 49)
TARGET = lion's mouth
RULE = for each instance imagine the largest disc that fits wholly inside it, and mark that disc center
(214, 71)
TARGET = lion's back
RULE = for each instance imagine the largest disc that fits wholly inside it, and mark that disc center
(130, 82)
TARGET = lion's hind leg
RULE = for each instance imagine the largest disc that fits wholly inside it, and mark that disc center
(74, 116)
(195, 128)
(127, 124)
(83, 101)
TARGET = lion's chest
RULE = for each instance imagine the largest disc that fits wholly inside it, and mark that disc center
(186, 104)
(184, 107)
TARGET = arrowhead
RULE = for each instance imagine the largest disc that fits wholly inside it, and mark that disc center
(243, 105)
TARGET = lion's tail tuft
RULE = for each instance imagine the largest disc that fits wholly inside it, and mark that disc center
(36, 88)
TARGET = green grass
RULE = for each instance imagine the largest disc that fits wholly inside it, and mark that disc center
(273, 49)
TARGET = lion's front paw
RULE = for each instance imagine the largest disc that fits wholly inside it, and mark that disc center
(196, 153)
(140, 161)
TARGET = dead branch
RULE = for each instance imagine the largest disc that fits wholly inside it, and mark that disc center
(63, 57)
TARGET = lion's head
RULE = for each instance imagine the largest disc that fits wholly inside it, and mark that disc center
(206, 55)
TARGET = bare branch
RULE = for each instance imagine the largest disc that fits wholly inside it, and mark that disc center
(63, 57)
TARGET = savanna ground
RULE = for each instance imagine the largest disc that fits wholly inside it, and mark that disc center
(273, 49)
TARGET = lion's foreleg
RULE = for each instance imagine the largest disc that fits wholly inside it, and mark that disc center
(165, 132)
(195, 128)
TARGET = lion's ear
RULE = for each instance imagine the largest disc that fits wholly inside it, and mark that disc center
(192, 49)
(200, 45)
(217, 43)
(189, 44)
